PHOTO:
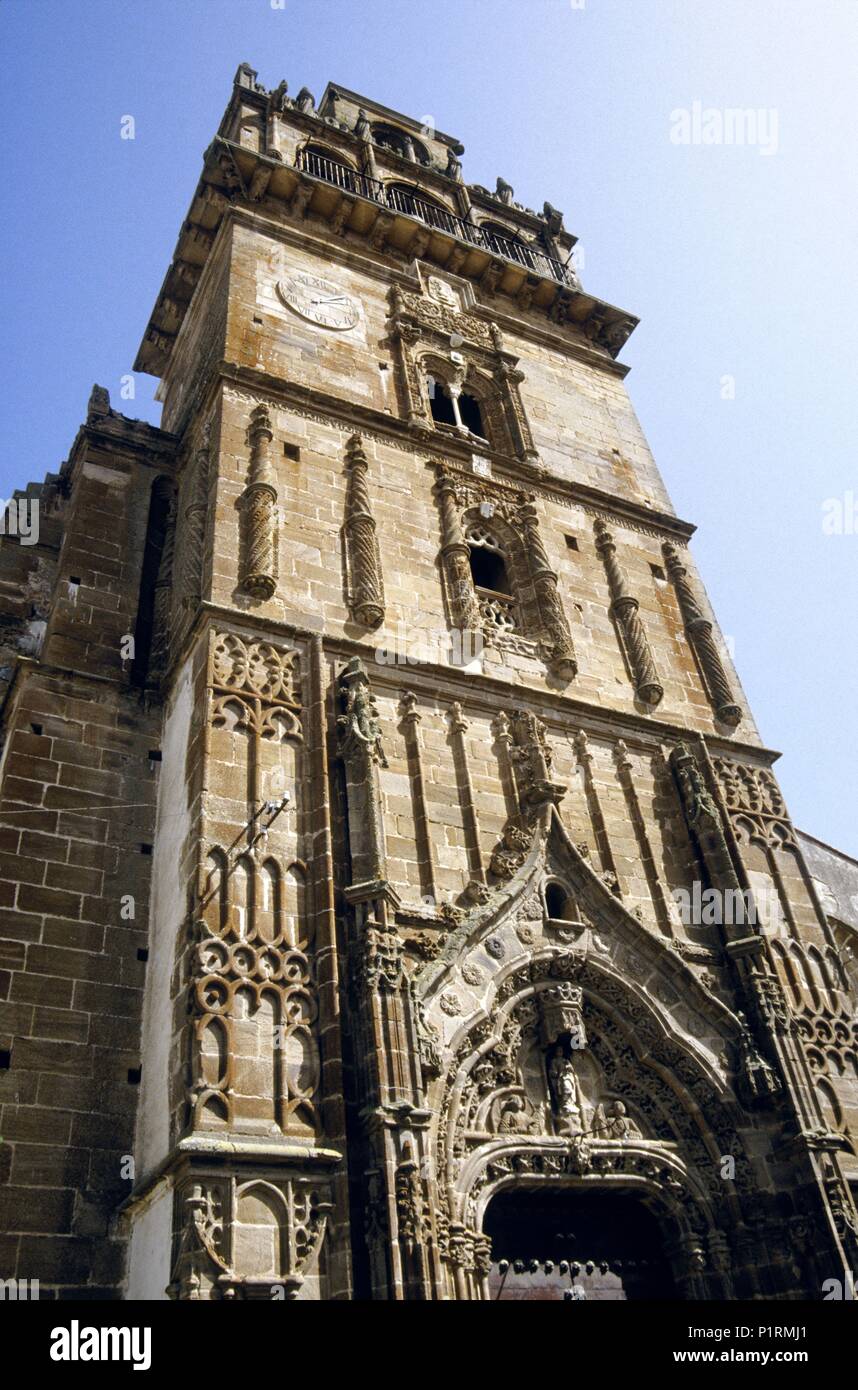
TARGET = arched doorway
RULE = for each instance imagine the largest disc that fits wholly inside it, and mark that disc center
(563, 1243)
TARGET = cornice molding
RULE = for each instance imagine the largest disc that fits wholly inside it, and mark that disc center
(354, 417)
(220, 188)
(438, 684)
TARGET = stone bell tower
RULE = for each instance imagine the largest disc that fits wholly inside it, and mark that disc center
(478, 954)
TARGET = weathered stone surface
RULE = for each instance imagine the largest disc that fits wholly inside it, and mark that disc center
(377, 791)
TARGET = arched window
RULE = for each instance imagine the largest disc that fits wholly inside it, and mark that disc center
(459, 410)
(504, 242)
(471, 414)
(326, 164)
(400, 142)
(488, 570)
(491, 580)
(441, 402)
(404, 197)
(556, 899)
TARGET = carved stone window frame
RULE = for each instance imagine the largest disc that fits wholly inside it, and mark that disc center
(423, 333)
(467, 377)
(463, 500)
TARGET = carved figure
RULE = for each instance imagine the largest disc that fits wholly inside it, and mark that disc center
(516, 1119)
(616, 1123)
(566, 1091)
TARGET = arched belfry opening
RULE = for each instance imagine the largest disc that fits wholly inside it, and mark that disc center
(441, 403)
(471, 415)
(570, 1243)
(488, 569)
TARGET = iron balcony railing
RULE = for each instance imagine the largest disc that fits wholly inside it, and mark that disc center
(528, 256)
(341, 176)
(401, 200)
(404, 201)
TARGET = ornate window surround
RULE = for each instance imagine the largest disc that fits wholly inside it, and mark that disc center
(425, 333)
(465, 501)
(465, 376)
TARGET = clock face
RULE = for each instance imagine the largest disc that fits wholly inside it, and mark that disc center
(320, 301)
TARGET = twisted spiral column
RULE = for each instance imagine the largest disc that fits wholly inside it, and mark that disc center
(699, 632)
(561, 657)
(258, 504)
(367, 597)
(456, 558)
(624, 607)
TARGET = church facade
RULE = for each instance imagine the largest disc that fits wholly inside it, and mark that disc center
(398, 901)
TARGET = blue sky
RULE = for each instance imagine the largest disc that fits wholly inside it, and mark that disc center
(740, 262)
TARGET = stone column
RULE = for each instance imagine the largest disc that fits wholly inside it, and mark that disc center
(560, 649)
(624, 609)
(196, 507)
(456, 557)
(258, 509)
(388, 1076)
(699, 632)
(162, 598)
(366, 594)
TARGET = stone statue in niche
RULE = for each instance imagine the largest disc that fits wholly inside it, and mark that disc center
(757, 1079)
(565, 1092)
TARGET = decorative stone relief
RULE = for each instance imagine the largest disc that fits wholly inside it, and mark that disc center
(260, 680)
(246, 984)
(752, 794)
(531, 757)
(246, 1239)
